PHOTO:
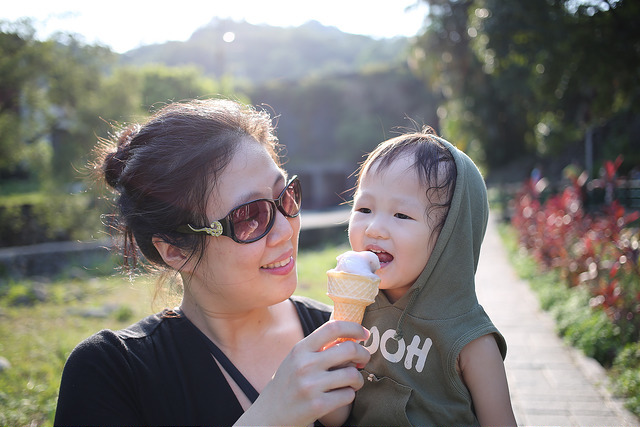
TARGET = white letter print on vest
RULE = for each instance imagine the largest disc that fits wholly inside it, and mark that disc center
(394, 351)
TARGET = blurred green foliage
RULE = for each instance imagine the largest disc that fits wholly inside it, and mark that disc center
(58, 96)
(508, 82)
(627, 379)
(588, 330)
(532, 78)
(38, 217)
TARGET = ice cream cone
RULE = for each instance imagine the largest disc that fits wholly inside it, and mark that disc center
(351, 294)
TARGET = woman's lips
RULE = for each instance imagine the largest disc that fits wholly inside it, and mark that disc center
(281, 267)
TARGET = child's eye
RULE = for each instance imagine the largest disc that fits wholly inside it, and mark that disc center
(363, 210)
(402, 216)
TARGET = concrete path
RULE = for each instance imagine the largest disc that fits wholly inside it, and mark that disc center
(550, 383)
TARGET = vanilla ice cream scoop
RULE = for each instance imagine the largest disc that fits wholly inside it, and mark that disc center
(363, 263)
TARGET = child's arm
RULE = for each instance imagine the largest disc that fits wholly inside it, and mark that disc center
(483, 373)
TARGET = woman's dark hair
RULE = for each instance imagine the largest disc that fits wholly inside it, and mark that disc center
(433, 162)
(163, 170)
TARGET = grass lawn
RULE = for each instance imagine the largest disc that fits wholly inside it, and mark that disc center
(40, 323)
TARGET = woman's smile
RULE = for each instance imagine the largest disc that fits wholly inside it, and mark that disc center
(280, 267)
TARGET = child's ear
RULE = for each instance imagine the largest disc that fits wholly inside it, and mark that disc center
(172, 255)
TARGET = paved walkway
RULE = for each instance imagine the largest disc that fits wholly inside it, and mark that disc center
(550, 383)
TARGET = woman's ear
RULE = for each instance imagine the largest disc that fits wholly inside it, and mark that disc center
(172, 255)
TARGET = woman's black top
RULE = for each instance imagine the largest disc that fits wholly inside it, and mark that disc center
(158, 371)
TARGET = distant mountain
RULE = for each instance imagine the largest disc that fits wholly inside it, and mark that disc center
(260, 53)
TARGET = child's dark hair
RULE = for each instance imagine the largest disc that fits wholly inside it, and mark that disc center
(434, 164)
(165, 169)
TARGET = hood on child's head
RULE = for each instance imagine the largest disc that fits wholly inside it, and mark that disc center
(446, 286)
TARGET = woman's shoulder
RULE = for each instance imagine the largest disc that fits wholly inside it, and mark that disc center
(108, 341)
(149, 325)
(310, 304)
(312, 313)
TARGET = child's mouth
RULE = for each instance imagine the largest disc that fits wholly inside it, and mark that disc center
(384, 257)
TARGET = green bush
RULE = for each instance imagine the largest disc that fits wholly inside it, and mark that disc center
(19, 294)
(545, 285)
(626, 378)
(582, 327)
(589, 330)
(124, 313)
(43, 217)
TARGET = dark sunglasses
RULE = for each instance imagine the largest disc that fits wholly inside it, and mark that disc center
(253, 220)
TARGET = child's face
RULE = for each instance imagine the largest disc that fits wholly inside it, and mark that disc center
(389, 218)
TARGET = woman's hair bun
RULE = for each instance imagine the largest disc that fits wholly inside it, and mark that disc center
(115, 161)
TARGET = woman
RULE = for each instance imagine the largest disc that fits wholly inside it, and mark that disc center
(202, 194)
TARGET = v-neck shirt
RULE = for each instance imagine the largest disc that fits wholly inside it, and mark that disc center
(158, 371)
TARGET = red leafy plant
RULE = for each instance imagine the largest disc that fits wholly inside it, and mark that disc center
(598, 249)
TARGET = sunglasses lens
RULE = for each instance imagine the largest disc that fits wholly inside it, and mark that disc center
(251, 221)
(290, 199)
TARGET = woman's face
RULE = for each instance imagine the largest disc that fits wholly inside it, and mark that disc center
(235, 277)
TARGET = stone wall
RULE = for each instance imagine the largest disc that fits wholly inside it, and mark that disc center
(50, 259)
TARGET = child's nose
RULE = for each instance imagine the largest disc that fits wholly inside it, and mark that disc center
(377, 229)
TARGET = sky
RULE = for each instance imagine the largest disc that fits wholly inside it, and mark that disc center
(127, 24)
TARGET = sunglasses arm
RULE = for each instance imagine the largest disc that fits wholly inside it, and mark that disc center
(215, 229)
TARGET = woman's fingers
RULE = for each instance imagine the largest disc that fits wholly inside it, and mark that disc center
(347, 353)
(331, 331)
(310, 382)
(302, 391)
(347, 377)
(338, 398)
(330, 354)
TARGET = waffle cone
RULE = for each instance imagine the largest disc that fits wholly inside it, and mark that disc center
(351, 294)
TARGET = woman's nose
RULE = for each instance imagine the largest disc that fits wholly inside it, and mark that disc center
(283, 228)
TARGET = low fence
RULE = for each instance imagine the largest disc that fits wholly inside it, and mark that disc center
(625, 191)
(50, 259)
(597, 193)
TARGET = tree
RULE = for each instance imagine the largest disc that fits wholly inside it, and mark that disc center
(583, 61)
(21, 95)
(59, 95)
(161, 84)
(477, 111)
(74, 76)
(47, 101)
(530, 78)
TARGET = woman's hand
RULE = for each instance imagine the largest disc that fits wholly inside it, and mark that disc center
(311, 382)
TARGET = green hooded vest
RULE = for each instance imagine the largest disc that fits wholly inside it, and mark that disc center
(411, 379)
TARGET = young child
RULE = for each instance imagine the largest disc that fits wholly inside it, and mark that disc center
(437, 359)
